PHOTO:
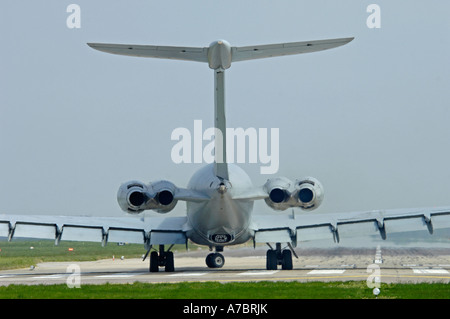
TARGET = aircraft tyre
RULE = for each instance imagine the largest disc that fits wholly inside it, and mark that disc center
(154, 261)
(215, 260)
(286, 262)
(170, 266)
(279, 257)
(162, 259)
(271, 260)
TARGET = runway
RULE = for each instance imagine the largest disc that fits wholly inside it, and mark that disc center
(408, 265)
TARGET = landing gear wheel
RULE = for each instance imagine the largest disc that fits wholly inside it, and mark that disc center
(277, 257)
(154, 261)
(163, 259)
(286, 262)
(170, 266)
(271, 260)
(215, 260)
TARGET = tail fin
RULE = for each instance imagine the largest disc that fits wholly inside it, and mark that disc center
(220, 164)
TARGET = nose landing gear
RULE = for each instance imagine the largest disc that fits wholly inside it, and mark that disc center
(215, 260)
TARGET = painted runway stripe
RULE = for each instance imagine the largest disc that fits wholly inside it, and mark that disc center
(188, 274)
(326, 271)
(258, 273)
(123, 275)
(430, 271)
(50, 277)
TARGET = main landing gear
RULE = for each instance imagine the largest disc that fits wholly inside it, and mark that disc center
(277, 257)
(161, 259)
(215, 260)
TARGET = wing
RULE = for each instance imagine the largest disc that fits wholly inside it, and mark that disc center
(273, 50)
(294, 229)
(154, 51)
(148, 231)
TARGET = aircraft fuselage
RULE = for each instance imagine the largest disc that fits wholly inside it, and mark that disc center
(222, 220)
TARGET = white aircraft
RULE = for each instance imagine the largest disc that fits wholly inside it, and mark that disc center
(220, 196)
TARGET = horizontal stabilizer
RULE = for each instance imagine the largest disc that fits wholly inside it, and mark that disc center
(204, 55)
(154, 51)
(273, 50)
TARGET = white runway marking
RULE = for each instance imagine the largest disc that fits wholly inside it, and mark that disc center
(378, 259)
(326, 271)
(123, 275)
(430, 271)
(188, 274)
(258, 272)
(49, 277)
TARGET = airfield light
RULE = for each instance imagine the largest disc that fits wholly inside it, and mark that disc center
(376, 292)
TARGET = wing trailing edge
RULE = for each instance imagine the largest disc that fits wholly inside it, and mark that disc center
(154, 51)
(381, 224)
(282, 49)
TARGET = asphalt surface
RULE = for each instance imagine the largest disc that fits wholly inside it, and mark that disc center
(390, 265)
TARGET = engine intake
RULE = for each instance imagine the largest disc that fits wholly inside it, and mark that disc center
(165, 197)
(277, 195)
(137, 198)
(309, 193)
(305, 195)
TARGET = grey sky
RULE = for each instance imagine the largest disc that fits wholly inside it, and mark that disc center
(370, 119)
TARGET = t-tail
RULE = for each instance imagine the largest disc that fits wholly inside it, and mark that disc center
(219, 56)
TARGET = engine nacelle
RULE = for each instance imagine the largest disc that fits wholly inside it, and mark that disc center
(134, 197)
(278, 191)
(306, 193)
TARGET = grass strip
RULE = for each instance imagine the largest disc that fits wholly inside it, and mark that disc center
(217, 290)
